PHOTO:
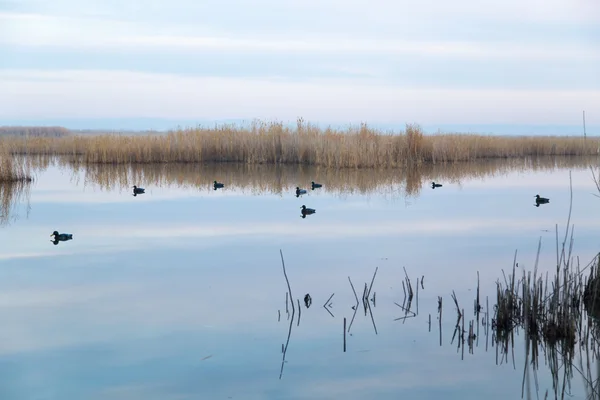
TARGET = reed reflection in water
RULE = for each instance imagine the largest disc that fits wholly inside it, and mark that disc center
(260, 179)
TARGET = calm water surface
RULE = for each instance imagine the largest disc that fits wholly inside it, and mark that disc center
(179, 293)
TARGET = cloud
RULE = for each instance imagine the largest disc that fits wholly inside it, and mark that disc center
(97, 93)
(384, 61)
(41, 30)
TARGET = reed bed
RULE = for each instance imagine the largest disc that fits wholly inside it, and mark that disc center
(306, 144)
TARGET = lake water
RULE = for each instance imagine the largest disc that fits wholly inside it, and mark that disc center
(179, 293)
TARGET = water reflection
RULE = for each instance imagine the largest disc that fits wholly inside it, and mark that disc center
(60, 237)
(138, 190)
(300, 192)
(217, 185)
(279, 179)
(549, 320)
(314, 185)
(187, 297)
(13, 194)
(540, 200)
(306, 211)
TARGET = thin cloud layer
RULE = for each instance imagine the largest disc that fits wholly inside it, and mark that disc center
(522, 63)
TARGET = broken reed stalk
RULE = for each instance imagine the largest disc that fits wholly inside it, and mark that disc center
(417, 301)
(372, 317)
(408, 285)
(372, 280)
(440, 317)
(286, 280)
(344, 334)
(487, 322)
(327, 302)
(356, 306)
(477, 307)
(291, 319)
(365, 302)
(461, 339)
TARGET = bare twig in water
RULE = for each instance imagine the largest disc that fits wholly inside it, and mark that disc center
(372, 280)
(291, 319)
(372, 318)
(596, 181)
(356, 306)
(440, 317)
(457, 327)
(328, 304)
(344, 334)
(365, 299)
(408, 285)
(407, 311)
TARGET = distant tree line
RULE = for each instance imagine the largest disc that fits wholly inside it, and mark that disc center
(34, 131)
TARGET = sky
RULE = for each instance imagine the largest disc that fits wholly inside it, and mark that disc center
(527, 65)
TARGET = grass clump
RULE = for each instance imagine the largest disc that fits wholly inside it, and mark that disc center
(305, 144)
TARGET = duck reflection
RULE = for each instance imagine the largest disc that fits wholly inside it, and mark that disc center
(540, 200)
(307, 211)
(60, 237)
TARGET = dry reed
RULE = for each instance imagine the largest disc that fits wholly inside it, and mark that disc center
(15, 180)
(13, 169)
(274, 143)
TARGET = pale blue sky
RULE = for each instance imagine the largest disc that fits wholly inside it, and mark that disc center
(466, 63)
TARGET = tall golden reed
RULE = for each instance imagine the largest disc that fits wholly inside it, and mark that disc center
(274, 143)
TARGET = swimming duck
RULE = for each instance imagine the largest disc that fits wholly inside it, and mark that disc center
(217, 185)
(314, 185)
(61, 237)
(307, 211)
(434, 185)
(138, 190)
(299, 191)
(541, 200)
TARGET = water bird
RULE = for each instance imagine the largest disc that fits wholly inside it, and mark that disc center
(138, 190)
(541, 200)
(434, 185)
(307, 211)
(314, 185)
(217, 185)
(299, 191)
(61, 237)
(307, 300)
